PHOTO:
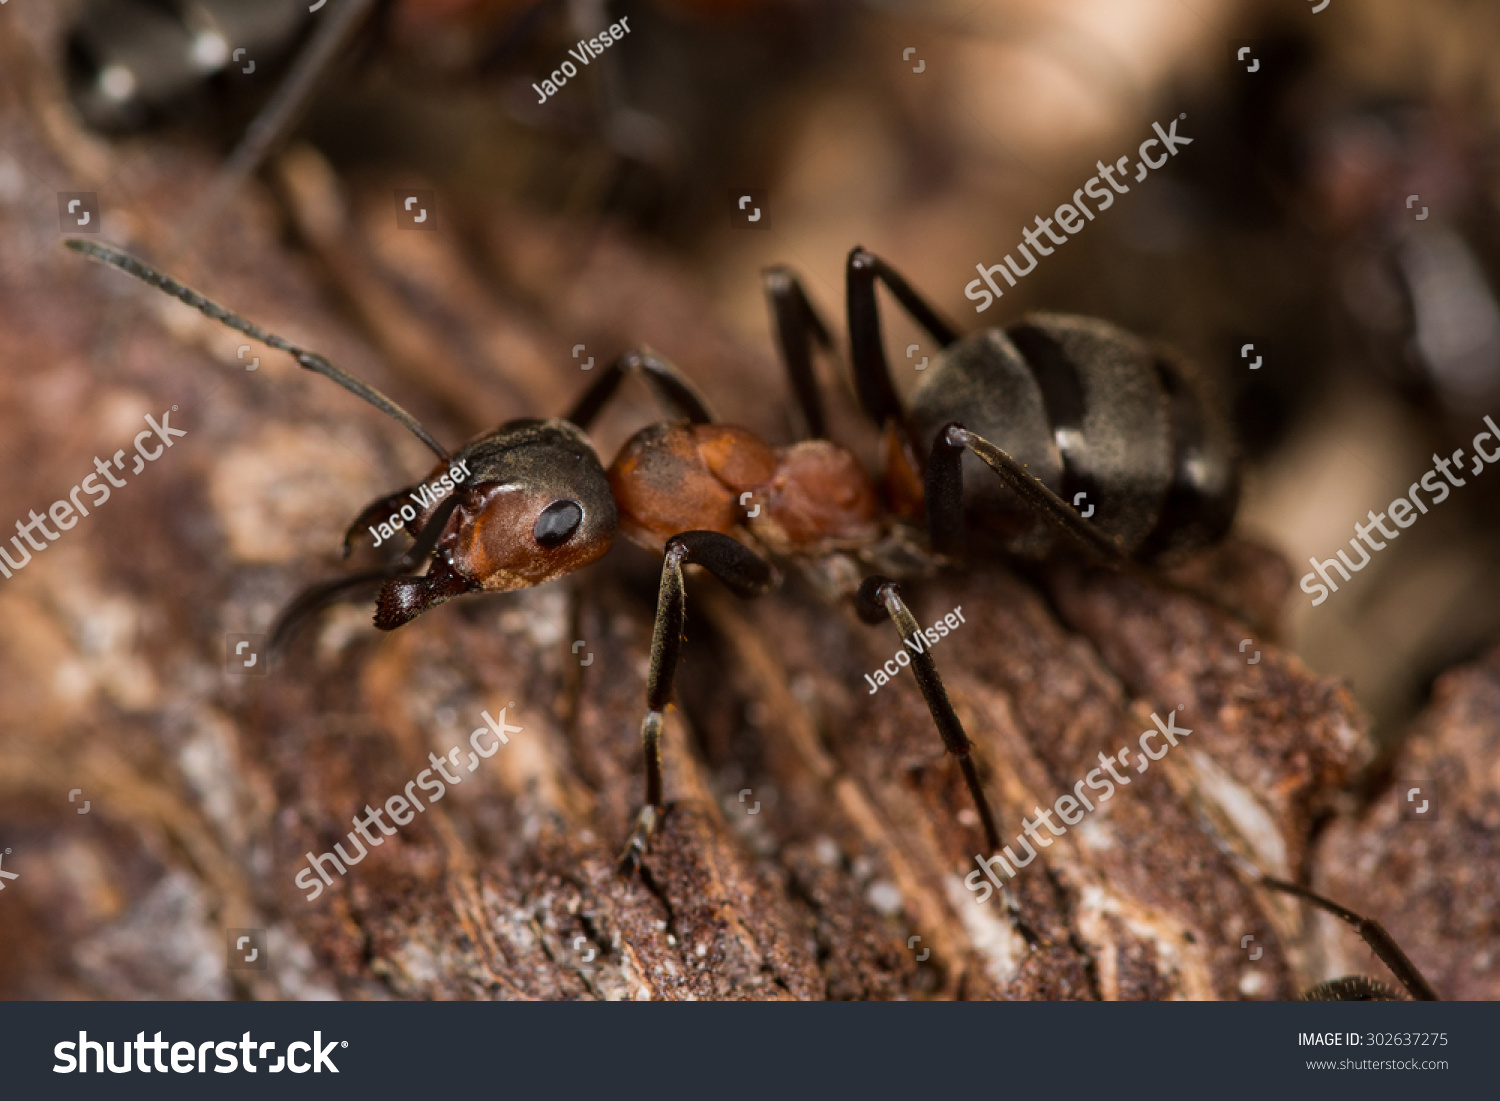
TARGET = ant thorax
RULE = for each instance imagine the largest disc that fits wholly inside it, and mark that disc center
(802, 501)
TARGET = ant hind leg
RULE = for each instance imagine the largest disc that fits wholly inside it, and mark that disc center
(945, 494)
(1357, 988)
(880, 596)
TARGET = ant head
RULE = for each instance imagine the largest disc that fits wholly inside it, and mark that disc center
(536, 505)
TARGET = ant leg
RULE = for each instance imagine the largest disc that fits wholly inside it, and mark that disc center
(879, 596)
(1356, 988)
(276, 119)
(797, 327)
(945, 495)
(672, 387)
(439, 584)
(747, 575)
(377, 509)
(872, 375)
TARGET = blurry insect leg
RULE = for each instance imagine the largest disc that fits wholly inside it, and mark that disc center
(679, 395)
(277, 118)
(1356, 987)
(798, 326)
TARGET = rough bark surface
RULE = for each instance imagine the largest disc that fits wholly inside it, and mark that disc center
(1434, 876)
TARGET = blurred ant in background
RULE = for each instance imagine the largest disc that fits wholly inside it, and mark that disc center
(664, 109)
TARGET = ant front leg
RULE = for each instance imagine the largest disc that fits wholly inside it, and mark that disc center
(747, 575)
(376, 511)
(439, 584)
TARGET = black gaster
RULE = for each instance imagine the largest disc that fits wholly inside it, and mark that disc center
(1109, 415)
(983, 382)
(1205, 489)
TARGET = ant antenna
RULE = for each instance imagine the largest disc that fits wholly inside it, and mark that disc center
(311, 360)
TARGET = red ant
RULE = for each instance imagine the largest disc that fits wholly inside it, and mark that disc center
(1082, 407)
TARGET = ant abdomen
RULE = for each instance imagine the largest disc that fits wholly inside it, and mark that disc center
(1123, 431)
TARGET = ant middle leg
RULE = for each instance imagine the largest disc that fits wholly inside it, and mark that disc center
(747, 575)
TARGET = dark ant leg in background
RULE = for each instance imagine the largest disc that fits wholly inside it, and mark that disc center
(945, 495)
(797, 327)
(670, 384)
(880, 596)
(276, 119)
(1356, 987)
(872, 375)
(747, 575)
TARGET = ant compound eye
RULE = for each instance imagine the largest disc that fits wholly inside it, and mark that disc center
(557, 523)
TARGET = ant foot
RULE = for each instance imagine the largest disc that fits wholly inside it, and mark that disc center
(635, 848)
